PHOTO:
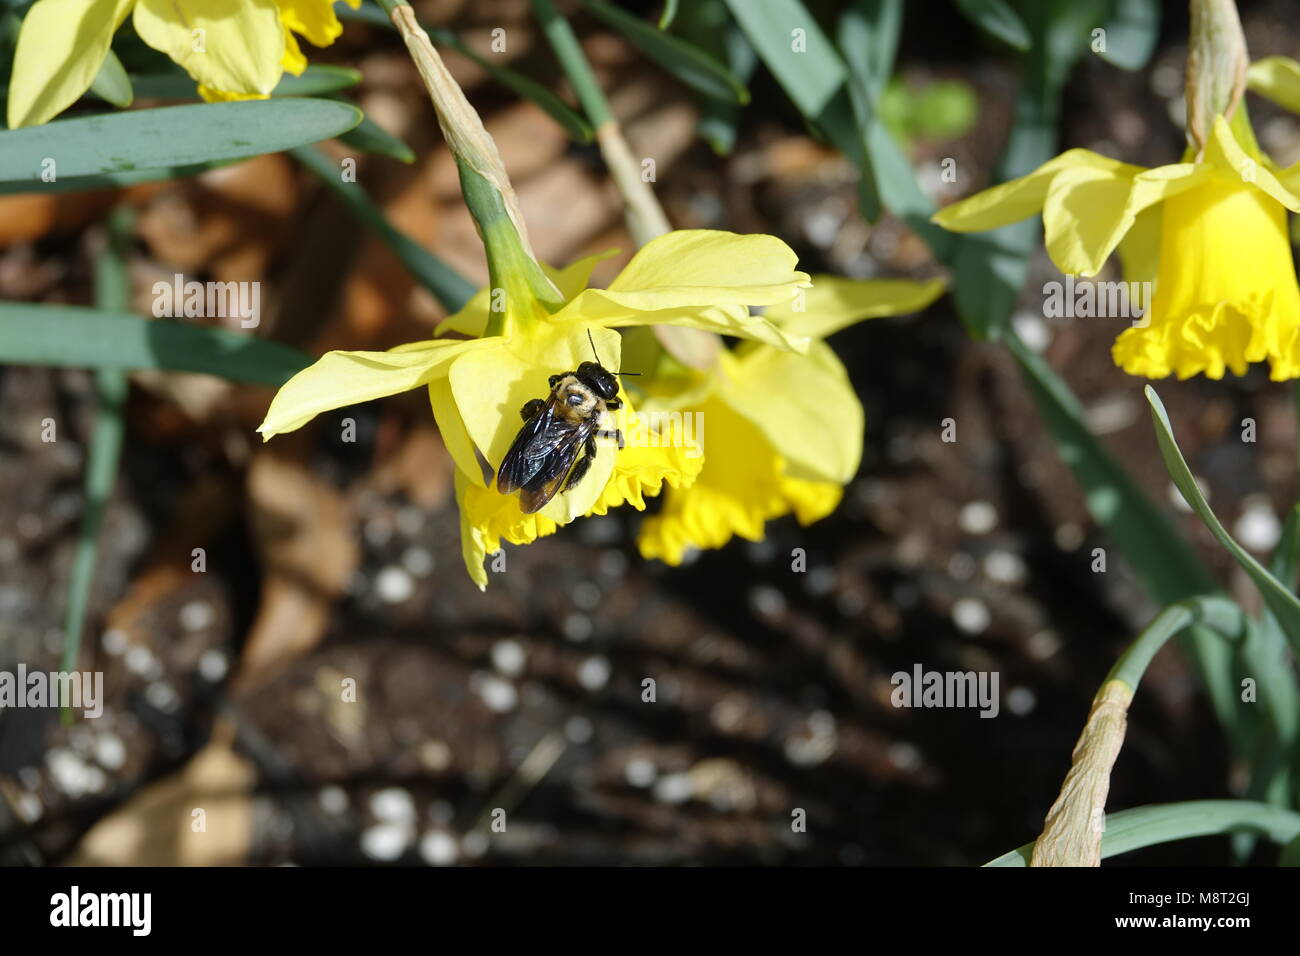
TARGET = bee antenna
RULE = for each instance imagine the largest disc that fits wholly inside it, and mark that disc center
(597, 354)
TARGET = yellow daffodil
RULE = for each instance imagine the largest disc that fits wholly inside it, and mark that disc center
(1211, 233)
(782, 431)
(234, 49)
(695, 278)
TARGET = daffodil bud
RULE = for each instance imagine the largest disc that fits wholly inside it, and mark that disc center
(519, 283)
(1217, 62)
(1074, 827)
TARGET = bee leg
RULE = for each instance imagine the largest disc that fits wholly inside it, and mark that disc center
(581, 465)
(532, 409)
(613, 404)
(612, 433)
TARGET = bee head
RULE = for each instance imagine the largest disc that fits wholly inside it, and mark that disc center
(603, 383)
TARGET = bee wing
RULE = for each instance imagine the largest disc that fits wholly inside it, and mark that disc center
(556, 465)
(527, 451)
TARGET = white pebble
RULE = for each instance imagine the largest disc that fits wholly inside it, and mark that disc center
(333, 799)
(110, 751)
(69, 773)
(393, 585)
(418, 560)
(385, 841)
(640, 772)
(674, 788)
(593, 673)
(508, 657)
(162, 696)
(578, 729)
(970, 615)
(213, 665)
(438, 848)
(1004, 567)
(766, 601)
(393, 805)
(578, 627)
(140, 660)
(499, 695)
(1258, 528)
(978, 517)
(197, 615)
(114, 641)
(1021, 701)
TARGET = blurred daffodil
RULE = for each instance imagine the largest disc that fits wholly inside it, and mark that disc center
(1212, 234)
(694, 278)
(782, 431)
(234, 49)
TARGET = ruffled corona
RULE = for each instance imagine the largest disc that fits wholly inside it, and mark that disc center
(1212, 234)
(233, 49)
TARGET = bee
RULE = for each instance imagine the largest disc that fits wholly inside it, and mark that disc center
(557, 444)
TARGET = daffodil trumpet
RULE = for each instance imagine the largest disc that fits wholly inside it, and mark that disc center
(1211, 234)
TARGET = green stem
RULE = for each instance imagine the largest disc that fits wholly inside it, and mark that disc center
(112, 292)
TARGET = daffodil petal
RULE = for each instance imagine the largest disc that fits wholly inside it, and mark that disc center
(455, 436)
(485, 518)
(1021, 198)
(61, 46)
(702, 268)
(804, 405)
(227, 46)
(594, 306)
(490, 386)
(346, 378)
(1276, 78)
(1139, 250)
(834, 303)
(293, 60)
(1224, 152)
(313, 19)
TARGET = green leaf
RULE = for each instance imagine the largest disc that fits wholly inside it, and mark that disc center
(1281, 602)
(1140, 827)
(707, 24)
(111, 82)
(1131, 33)
(78, 337)
(369, 137)
(670, 12)
(98, 148)
(316, 80)
(868, 34)
(688, 63)
(794, 48)
(447, 285)
(998, 19)
(115, 180)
